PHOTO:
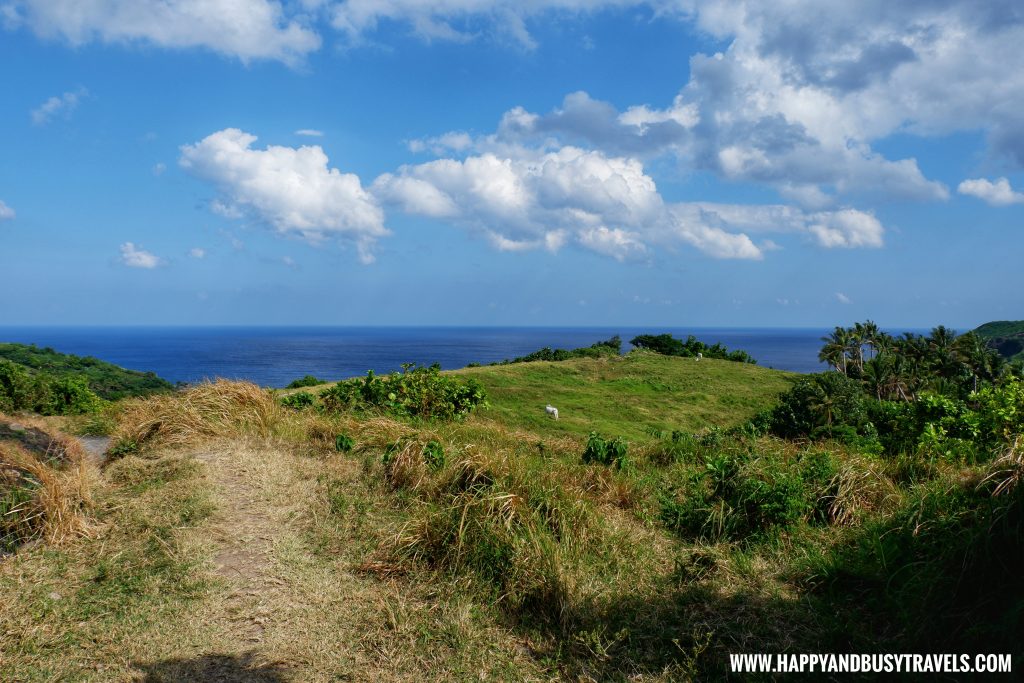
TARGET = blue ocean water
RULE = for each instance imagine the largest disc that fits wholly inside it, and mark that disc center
(274, 356)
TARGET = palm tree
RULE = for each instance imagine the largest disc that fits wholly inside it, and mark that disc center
(872, 336)
(835, 348)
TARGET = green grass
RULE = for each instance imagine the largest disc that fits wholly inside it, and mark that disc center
(632, 396)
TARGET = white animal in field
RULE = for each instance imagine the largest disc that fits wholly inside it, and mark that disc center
(552, 411)
(699, 355)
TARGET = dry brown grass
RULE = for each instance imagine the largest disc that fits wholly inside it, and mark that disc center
(1007, 471)
(861, 488)
(51, 492)
(219, 408)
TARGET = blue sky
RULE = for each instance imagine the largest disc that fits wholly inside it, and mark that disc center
(487, 162)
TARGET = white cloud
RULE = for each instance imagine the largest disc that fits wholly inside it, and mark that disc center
(289, 261)
(534, 200)
(159, 168)
(998, 193)
(292, 190)
(801, 94)
(457, 20)
(310, 133)
(6, 212)
(842, 298)
(61, 104)
(246, 29)
(136, 257)
(847, 228)
(197, 253)
(544, 198)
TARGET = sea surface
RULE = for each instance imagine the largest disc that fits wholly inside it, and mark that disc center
(274, 356)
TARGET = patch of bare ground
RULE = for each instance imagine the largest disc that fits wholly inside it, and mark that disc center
(284, 610)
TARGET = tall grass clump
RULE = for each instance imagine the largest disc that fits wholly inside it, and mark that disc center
(509, 525)
(43, 495)
(220, 408)
(941, 570)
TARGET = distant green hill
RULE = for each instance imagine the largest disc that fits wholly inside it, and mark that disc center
(1005, 336)
(105, 379)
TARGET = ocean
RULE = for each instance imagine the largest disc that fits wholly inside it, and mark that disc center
(274, 356)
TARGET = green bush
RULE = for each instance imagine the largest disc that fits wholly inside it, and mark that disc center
(299, 400)
(736, 496)
(307, 381)
(69, 396)
(825, 404)
(343, 443)
(605, 452)
(416, 391)
(609, 347)
(15, 387)
(668, 345)
(433, 455)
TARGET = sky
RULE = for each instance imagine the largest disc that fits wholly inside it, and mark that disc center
(802, 163)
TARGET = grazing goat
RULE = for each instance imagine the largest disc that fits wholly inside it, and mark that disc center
(552, 411)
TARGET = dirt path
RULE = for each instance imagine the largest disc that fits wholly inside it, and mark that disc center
(279, 611)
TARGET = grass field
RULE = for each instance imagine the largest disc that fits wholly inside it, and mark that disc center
(631, 396)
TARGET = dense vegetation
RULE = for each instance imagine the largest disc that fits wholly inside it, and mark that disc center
(417, 391)
(670, 346)
(609, 347)
(941, 393)
(40, 367)
(1004, 336)
(42, 393)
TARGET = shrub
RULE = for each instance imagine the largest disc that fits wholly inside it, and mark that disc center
(307, 381)
(299, 400)
(668, 345)
(825, 404)
(609, 347)
(15, 387)
(433, 454)
(416, 391)
(605, 452)
(736, 496)
(70, 396)
(343, 443)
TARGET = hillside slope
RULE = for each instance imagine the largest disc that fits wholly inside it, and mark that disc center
(107, 380)
(630, 396)
(1005, 336)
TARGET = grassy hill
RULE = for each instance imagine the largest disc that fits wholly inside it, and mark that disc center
(1005, 336)
(107, 380)
(363, 541)
(630, 396)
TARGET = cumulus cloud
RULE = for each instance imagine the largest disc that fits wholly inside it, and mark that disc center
(246, 29)
(546, 198)
(57, 105)
(310, 133)
(998, 193)
(539, 200)
(137, 257)
(801, 94)
(6, 212)
(197, 253)
(290, 189)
